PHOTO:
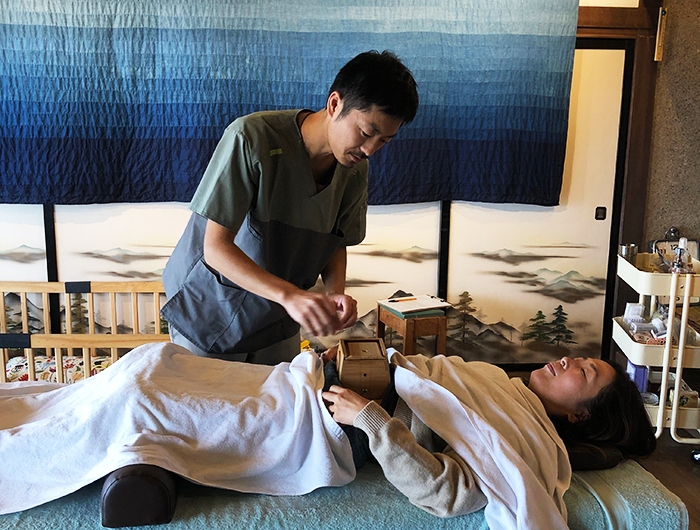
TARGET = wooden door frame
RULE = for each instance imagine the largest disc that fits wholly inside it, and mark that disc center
(639, 25)
(636, 26)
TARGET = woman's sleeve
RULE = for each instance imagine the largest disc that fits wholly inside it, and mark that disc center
(439, 483)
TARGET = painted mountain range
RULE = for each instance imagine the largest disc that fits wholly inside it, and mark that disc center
(516, 258)
(570, 287)
(468, 328)
(414, 254)
(120, 255)
(35, 314)
(358, 282)
(155, 275)
(23, 254)
(565, 244)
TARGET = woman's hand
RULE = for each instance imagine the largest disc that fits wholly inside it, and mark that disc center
(344, 404)
(329, 355)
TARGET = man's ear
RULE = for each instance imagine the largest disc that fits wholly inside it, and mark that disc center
(575, 417)
(334, 104)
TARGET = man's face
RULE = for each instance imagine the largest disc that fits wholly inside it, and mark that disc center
(564, 384)
(359, 134)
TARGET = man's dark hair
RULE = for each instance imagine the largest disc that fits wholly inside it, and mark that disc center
(377, 79)
(616, 417)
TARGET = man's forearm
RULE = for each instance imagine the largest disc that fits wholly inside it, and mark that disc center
(316, 312)
(333, 274)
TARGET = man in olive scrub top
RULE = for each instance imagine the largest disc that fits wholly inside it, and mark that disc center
(283, 196)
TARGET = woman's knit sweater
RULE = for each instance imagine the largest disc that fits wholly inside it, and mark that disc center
(418, 463)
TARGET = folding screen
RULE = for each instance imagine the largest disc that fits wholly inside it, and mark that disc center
(529, 282)
(22, 243)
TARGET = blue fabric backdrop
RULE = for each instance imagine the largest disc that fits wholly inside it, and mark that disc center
(124, 101)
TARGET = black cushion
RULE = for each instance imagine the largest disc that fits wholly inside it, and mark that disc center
(138, 495)
(584, 457)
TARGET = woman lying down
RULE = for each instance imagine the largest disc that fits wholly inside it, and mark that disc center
(458, 435)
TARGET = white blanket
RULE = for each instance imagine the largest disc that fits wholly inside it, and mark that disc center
(237, 426)
(500, 428)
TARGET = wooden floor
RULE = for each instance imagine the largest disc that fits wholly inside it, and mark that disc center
(672, 463)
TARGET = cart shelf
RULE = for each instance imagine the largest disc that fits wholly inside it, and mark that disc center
(653, 354)
(646, 282)
(650, 285)
(688, 417)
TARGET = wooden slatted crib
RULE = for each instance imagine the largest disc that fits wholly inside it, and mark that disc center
(57, 318)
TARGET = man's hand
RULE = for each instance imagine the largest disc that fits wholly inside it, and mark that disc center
(321, 314)
(346, 307)
(315, 311)
(344, 404)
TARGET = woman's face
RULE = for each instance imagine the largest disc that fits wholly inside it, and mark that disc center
(564, 384)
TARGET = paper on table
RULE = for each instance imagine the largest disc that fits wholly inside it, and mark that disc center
(408, 304)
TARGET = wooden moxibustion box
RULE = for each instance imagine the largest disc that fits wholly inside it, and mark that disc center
(363, 366)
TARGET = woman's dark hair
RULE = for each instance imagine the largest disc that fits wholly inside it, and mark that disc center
(616, 417)
(377, 79)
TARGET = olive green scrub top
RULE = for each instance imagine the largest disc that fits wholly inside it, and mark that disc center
(259, 186)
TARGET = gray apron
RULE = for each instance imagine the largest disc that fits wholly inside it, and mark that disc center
(217, 315)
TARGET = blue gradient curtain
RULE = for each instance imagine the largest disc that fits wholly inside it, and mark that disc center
(124, 100)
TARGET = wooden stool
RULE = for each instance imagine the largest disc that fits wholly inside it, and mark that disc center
(412, 328)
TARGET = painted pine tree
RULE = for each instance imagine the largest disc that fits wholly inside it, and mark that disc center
(539, 330)
(389, 335)
(78, 313)
(162, 326)
(559, 332)
(34, 324)
(13, 322)
(465, 308)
